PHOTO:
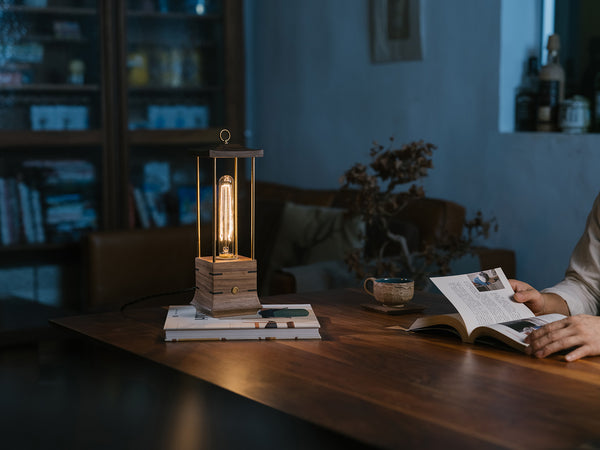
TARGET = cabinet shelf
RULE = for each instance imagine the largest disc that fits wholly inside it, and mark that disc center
(148, 42)
(172, 16)
(173, 89)
(51, 10)
(50, 39)
(20, 139)
(52, 88)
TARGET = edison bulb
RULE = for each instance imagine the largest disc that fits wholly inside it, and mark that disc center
(226, 239)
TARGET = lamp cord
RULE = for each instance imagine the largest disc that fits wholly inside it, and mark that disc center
(160, 294)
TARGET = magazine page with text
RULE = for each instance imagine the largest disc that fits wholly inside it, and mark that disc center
(482, 298)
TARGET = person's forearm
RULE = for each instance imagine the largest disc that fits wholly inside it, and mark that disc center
(554, 303)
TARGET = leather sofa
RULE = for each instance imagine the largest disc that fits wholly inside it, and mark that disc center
(420, 223)
(125, 266)
(130, 265)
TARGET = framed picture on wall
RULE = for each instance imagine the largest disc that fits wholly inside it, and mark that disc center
(396, 30)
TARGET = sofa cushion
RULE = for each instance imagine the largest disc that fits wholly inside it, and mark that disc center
(310, 234)
(322, 276)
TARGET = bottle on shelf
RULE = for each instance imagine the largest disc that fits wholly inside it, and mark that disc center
(551, 88)
(526, 99)
(575, 115)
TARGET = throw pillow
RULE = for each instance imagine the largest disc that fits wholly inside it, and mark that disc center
(310, 234)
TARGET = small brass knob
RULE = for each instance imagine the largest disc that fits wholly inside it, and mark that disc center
(235, 290)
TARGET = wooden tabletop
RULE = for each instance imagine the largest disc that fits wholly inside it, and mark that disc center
(378, 384)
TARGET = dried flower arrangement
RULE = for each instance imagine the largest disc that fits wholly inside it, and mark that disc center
(377, 200)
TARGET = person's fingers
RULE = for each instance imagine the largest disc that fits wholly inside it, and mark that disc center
(533, 299)
(526, 296)
(519, 285)
(563, 342)
(580, 352)
(544, 334)
(523, 291)
(579, 334)
(552, 338)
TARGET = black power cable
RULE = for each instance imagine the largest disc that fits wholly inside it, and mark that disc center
(160, 294)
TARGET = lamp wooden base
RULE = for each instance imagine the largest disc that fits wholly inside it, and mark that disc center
(226, 287)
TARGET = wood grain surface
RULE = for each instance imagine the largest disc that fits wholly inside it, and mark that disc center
(381, 385)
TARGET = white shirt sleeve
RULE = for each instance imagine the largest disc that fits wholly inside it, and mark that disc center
(581, 286)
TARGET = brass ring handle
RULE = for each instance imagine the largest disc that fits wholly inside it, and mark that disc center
(223, 131)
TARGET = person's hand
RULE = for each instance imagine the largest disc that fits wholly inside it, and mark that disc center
(581, 332)
(532, 298)
(539, 303)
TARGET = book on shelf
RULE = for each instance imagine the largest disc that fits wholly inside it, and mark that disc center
(186, 196)
(184, 323)
(68, 216)
(63, 172)
(156, 208)
(57, 201)
(5, 227)
(486, 311)
(141, 208)
(15, 223)
(21, 218)
(26, 212)
(38, 219)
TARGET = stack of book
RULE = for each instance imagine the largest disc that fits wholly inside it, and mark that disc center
(48, 201)
(184, 323)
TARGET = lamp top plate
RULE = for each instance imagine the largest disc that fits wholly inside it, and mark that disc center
(231, 151)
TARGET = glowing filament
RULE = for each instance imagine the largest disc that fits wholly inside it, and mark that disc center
(226, 242)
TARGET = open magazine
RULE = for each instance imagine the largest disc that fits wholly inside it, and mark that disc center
(485, 308)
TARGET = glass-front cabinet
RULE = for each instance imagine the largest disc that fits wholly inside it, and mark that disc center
(183, 68)
(175, 52)
(102, 104)
(51, 122)
(50, 74)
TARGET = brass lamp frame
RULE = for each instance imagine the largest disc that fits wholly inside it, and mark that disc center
(227, 287)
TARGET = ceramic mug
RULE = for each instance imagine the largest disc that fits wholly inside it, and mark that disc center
(390, 291)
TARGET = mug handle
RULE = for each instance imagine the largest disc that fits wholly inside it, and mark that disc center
(372, 280)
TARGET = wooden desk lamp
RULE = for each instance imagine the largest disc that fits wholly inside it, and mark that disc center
(226, 283)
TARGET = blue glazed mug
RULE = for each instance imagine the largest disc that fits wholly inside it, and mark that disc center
(390, 291)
